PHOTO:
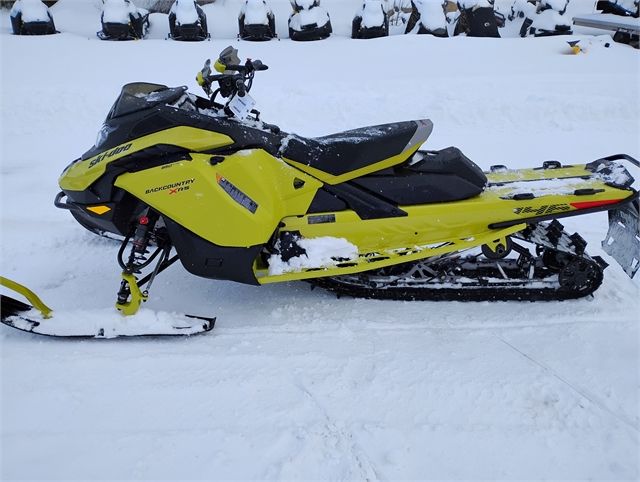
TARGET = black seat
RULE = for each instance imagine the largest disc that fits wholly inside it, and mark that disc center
(348, 151)
(433, 176)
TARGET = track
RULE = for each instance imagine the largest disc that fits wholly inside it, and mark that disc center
(559, 270)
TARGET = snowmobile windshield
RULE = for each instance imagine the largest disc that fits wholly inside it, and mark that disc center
(141, 95)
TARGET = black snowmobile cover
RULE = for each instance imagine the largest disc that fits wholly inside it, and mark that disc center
(195, 31)
(480, 22)
(360, 31)
(31, 18)
(316, 24)
(416, 19)
(256, 31)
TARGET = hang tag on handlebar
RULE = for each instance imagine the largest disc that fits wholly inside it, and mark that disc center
(241, 106)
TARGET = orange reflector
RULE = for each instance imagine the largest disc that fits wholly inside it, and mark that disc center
(594, 204)
(99, 209)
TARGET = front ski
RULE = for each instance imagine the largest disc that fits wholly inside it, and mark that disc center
(40, 320)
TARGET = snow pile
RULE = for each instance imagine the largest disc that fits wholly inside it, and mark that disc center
(466, 4)
(32, 10)
(544, 187)
(628, 5)
(431, 14)
(523, 7)
(321, 252)
(305, 4)
(309, 16)
(549, 20)
(615, 173)
(256, 12)
(185, 11)
(118, 11)
(372, 13)
(557, 5)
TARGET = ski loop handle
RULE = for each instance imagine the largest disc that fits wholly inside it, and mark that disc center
(28, 294)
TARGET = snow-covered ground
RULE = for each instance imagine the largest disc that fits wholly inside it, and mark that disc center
(293, 383)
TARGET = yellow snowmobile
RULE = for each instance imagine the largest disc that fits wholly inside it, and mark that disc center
(363, 213)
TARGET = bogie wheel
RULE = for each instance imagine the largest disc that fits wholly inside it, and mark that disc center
(555, 260)
(580, 275)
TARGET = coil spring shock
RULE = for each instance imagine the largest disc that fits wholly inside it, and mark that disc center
(137, 259)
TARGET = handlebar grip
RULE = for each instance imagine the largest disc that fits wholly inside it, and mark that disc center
(258, 65)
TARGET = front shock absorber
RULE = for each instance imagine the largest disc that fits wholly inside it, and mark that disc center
(130, 297)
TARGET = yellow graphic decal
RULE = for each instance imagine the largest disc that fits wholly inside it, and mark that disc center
(100, 210)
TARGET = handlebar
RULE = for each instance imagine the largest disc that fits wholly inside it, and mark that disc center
(231, 83)
(249, 66)
(233, 77)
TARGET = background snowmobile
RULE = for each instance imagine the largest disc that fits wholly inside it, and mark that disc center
(256, 21)
(427, 17)
(370, 21)
(549, 19)
(618, 17)
(309, 21)
(31, 17)
(362, 212)
(187, 21)
(122, 20)
(522, 9)
(477, 19)
(625, 8)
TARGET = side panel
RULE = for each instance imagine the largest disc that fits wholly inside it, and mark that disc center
(440, 222)
(80, 175)
(236, 202)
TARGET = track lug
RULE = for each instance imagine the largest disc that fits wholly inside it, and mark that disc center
(555, 230)
(579, 243)
(601, 262)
